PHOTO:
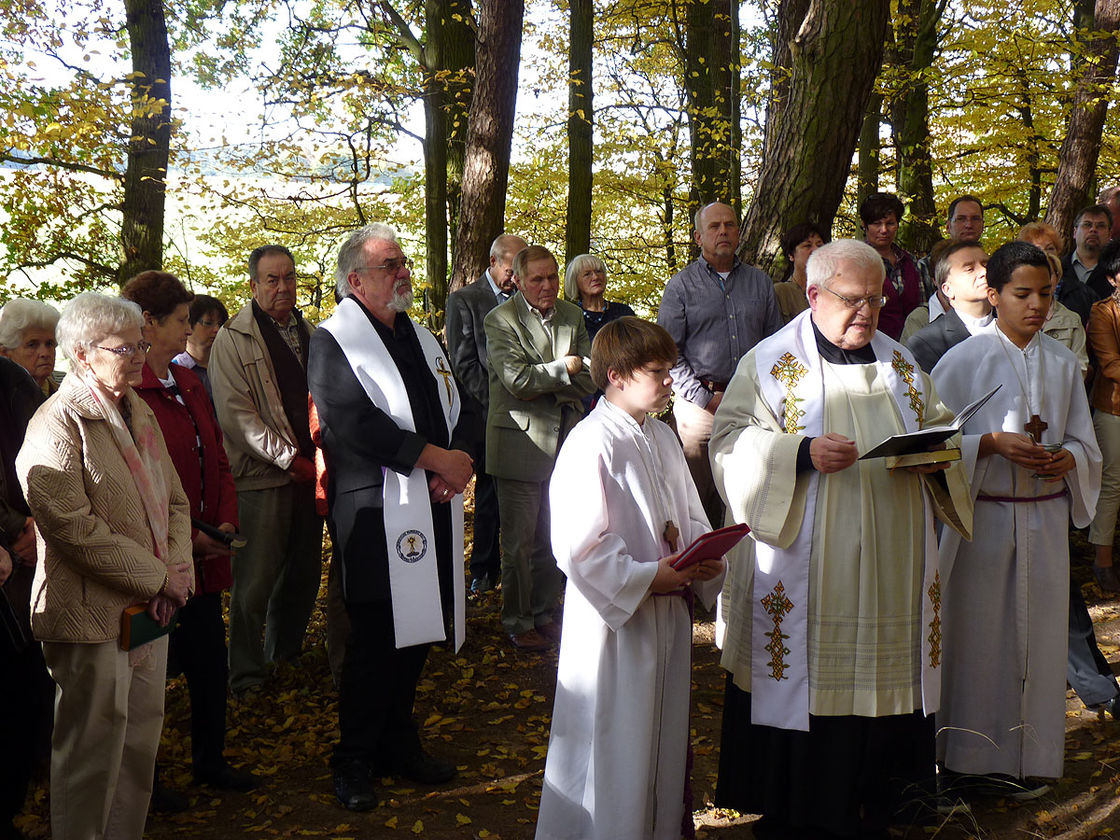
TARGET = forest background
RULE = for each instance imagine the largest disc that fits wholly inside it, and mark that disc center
(140, 134)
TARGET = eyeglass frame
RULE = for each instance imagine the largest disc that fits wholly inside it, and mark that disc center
(387, 266)
(127, 350)
(857, 303)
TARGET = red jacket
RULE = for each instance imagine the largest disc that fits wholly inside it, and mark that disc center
(209, 484)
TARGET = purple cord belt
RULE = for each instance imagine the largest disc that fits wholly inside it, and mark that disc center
(1020, 499)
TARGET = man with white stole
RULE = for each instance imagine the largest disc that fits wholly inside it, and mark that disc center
(829, 619)
(395, 436)
(624, 505)
(1034, 463)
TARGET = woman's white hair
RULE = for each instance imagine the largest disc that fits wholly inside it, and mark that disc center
(350, 255)
(20, 315)
(825, 262)
(576, 267)
(91, 317)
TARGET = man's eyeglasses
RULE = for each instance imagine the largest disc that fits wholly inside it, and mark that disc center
(128, 350)
(875, 302)
(391, 266)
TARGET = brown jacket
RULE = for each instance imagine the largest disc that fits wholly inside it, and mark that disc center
(259, 439)
(96, 551)
(1104, 339)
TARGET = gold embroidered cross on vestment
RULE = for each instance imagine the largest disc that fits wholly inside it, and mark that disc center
(778, 606)
(905, 371)
(789, 372)
(934, 637)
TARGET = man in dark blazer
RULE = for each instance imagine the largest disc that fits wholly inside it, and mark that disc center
(1083, 281)
(467, 308)
(396, 437)
(961, 274)
(539, 374)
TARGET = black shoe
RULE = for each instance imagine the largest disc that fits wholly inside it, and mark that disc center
(423, 768)
(227, 778)
(353, 786)
(481, 585)
(168, 801)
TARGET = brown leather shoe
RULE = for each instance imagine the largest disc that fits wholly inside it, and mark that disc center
(530, 640)
(551, 631)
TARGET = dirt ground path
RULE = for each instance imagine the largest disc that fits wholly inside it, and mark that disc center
(487, 709)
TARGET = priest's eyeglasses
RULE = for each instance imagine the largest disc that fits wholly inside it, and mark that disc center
(392, 266)
(127, 350)
(875, 301)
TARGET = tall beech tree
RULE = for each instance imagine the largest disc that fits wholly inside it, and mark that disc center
(149, 146)
(580, 127)
(1081, 148)
(489, 138)
(834, 58)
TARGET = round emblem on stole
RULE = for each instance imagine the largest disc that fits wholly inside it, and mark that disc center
(412, 546)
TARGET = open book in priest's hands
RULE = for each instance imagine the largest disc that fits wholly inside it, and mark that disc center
(916, 447)
(711, 546)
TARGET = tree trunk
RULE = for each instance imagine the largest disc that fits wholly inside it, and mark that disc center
(145, 180)
(917, 44)
(435, 161)
(711, 59)
(867, 179)
(580, 136)
(1077, 163)
(790, 15)
(834, 60)
(489, 136)
(458, 52)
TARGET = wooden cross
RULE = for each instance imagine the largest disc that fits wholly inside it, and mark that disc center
(441, 369)
(1036, 427)
(671, 534)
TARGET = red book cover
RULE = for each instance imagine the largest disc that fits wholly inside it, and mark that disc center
(711, 546)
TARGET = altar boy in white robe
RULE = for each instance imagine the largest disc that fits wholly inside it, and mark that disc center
(1034, 463)
(623, 505)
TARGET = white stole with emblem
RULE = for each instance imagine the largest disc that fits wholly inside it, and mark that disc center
(788, 366)
(409, 533)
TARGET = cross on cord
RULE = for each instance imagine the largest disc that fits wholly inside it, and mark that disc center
(1036, 427)
(442, 370)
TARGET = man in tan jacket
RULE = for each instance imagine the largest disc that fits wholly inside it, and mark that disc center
(258, 367)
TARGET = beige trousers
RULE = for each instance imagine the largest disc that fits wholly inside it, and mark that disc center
(108, 716)
(694, 428)
(1103, 529)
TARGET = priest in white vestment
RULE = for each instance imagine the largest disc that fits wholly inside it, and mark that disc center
(623, 503)
(1004, 678)
(829, 619)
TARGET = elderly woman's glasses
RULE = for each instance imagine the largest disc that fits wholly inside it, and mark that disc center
(127, 350)
(875, 302)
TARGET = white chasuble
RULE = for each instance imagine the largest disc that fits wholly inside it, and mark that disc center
(1004, 594)
(616, 765)
(833, 606)
(410, 536)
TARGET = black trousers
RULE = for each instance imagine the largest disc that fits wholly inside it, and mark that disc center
(26, 716)
(847, 776)
(197, 649)
(486, 553)
(1087, 670)
(377, 691)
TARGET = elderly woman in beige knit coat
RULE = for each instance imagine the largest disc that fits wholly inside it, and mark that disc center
(114, 528)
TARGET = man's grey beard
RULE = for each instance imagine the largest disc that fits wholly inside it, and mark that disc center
(401, 302)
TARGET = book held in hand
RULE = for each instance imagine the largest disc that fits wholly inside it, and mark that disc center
(711, 546)
(138, 628)
(923, 440)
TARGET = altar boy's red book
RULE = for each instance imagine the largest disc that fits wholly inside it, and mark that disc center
(711, 546)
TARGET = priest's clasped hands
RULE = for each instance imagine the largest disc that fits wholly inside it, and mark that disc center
(452, 470)
(669, 579)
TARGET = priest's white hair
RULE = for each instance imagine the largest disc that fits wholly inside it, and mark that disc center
(825, 262)
(351, 256)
